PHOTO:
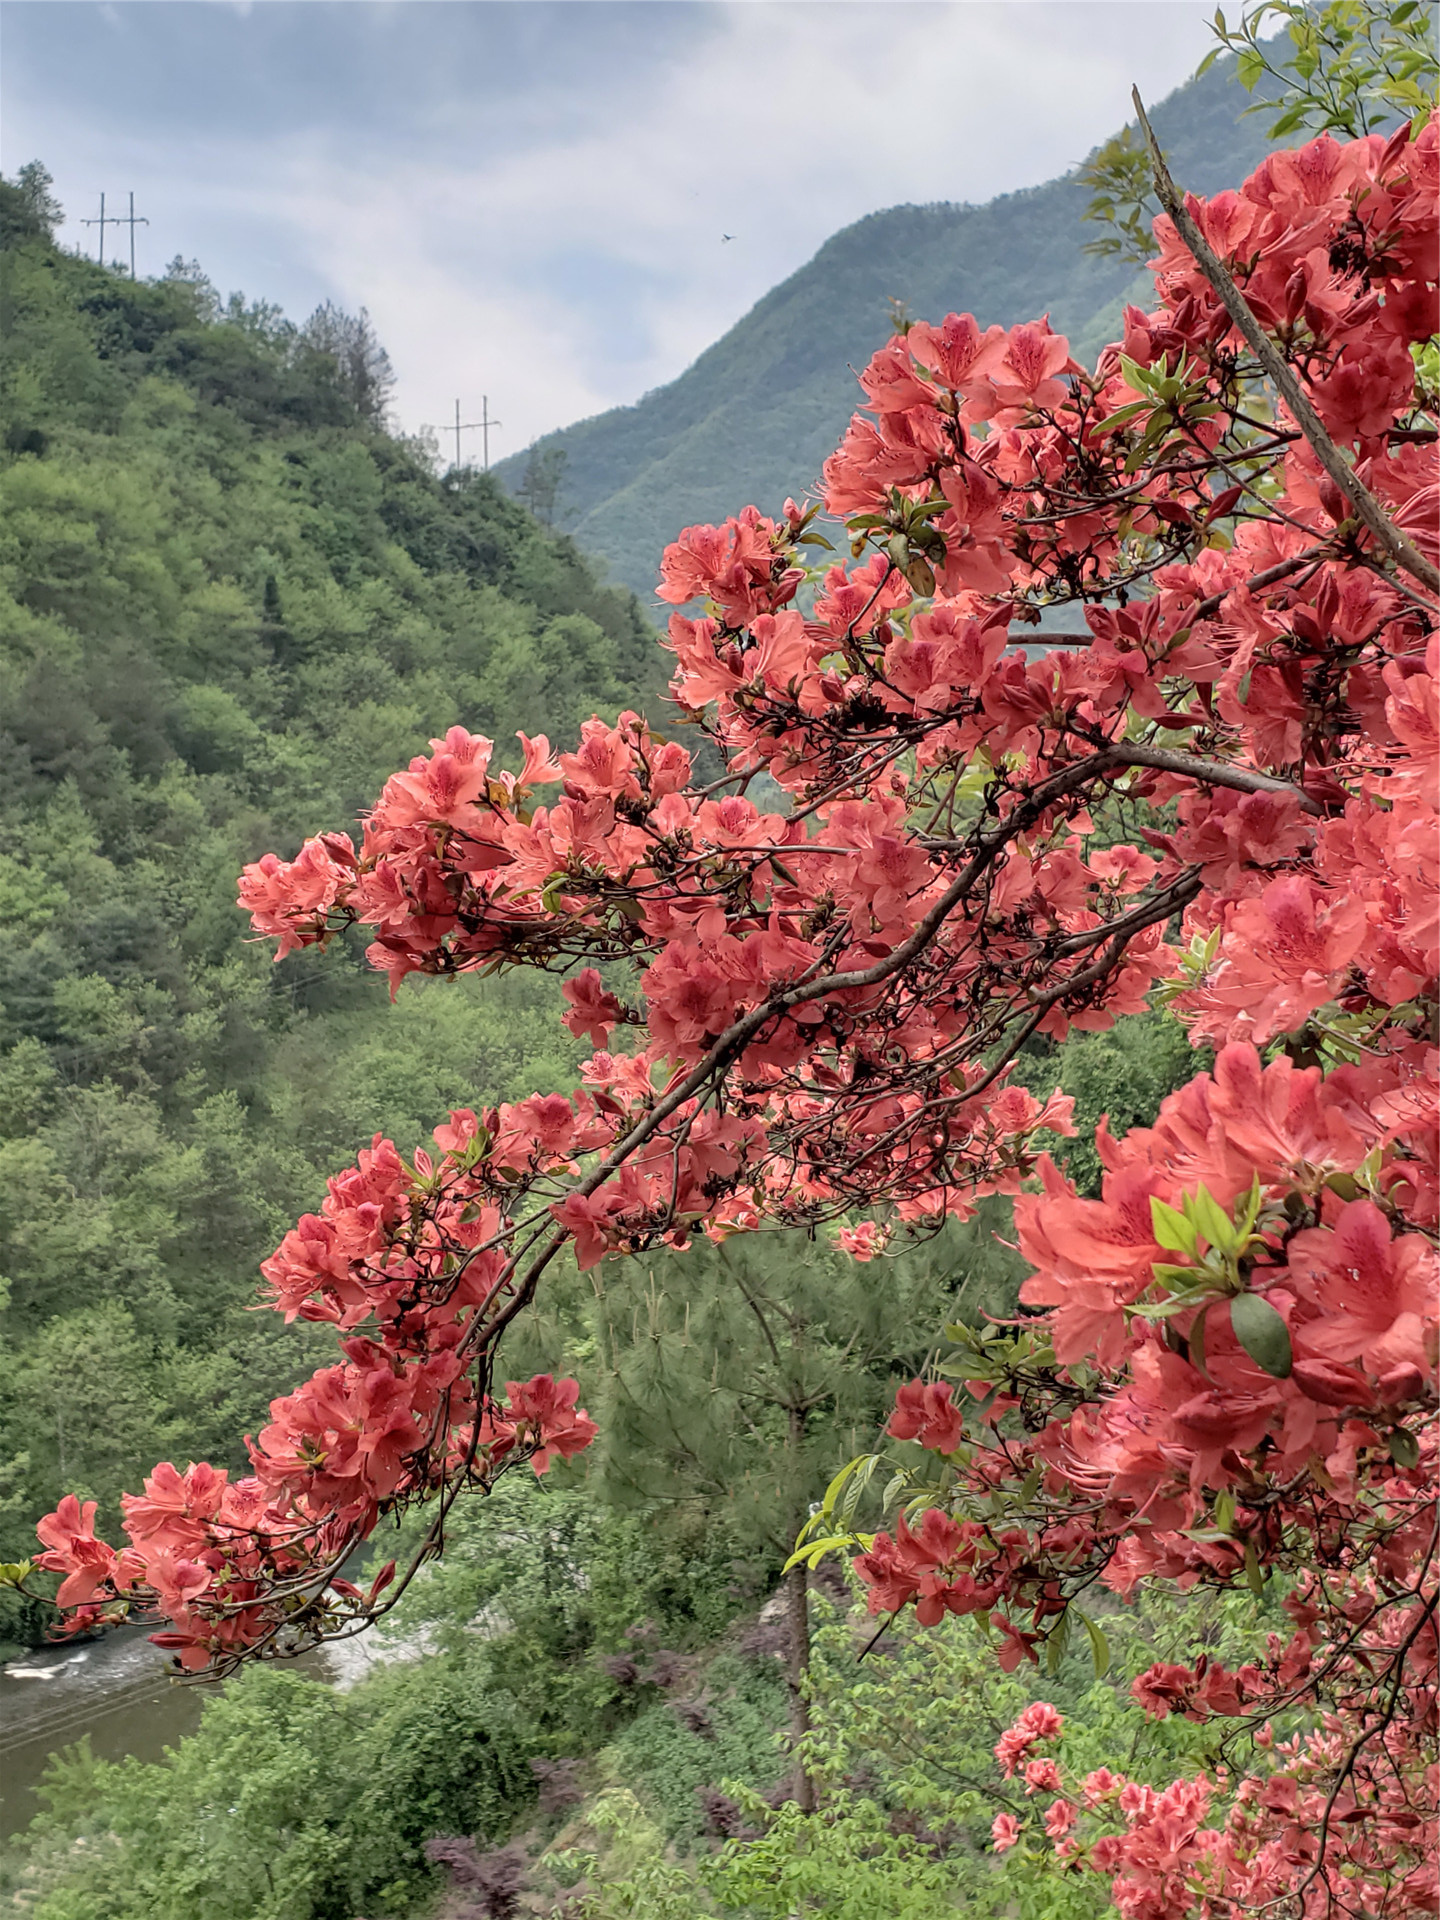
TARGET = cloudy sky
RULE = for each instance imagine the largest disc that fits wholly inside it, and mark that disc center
(529, 195)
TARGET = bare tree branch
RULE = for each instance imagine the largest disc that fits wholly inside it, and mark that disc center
(1212, 773)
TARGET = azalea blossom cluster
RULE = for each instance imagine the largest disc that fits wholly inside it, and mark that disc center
(943, 829)
(236, 1566)
(404, 1259)
(1286, 1838)
(1268, 1403)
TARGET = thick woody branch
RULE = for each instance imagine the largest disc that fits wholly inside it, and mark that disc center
(1204, 609)
(1207, 773)
(1161, 907)
(1213, 773)
(1367, 508)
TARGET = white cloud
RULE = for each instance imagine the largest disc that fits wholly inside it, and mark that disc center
(569, 256)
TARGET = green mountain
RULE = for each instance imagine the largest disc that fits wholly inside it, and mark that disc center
(230, 605)
(756, 415)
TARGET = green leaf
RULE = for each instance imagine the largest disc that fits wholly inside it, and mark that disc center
(1056, 1642)
(843, 1495)
(1205, 1211)
(815, 1551)
(1262, 1333)
(832, 1492)
(1099, 1648)
(1225, 1512)
(1171, 1229)
(1404, 1451)
(1288, 122)
(1167, 1309)
(920, 575)
(1181, 1279)
(1252, 1570)
(1121, 417)
(1141, 379)
(864, 1473)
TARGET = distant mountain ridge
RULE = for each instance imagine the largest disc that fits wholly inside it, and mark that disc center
(758, 412)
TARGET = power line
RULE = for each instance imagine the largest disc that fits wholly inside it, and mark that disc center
(76, 1714)
(481, 426)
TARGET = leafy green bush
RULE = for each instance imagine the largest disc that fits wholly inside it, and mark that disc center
(908, 1786)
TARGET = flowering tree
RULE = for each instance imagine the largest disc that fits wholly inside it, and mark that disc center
(1220, 786)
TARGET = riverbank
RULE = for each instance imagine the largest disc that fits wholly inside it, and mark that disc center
(119, 1692)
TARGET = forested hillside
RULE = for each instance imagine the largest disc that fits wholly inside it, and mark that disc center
(756, 415)
(230, 604)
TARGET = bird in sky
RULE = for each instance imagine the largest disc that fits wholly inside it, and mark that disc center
(726, 236)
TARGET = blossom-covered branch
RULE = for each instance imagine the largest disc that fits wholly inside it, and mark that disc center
(811, 1009)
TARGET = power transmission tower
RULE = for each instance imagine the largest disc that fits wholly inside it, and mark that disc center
(485, 425)
(131, 220)
(481, 426)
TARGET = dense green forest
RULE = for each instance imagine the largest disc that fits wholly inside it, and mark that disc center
(756, 415)
(232, 603)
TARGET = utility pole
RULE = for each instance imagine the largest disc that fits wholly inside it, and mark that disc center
(481, 426)
(485, 425)
(132, 222)
(113, 220)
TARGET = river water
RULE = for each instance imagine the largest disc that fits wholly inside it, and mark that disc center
(119, 1691)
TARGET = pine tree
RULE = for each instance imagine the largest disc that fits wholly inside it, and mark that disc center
(543, 482)
(733, 1377)
(363, 370)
